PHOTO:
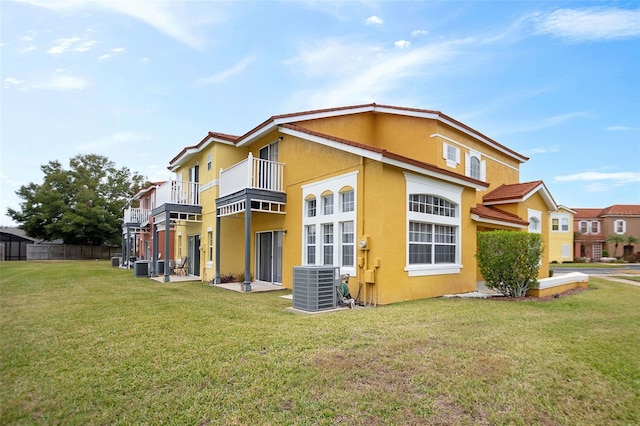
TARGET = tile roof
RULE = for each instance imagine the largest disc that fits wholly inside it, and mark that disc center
(622, 210)
(614, 210)
(272, 122)
(493, 213)
(513, 192)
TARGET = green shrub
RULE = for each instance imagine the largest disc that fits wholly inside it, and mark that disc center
(509, 260)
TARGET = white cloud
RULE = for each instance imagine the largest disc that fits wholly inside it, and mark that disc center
(177, 19)
(225, 74)
(619, 128)
(369, 74)
(544, 123)
(418, 33)
(544, 150)
(114, 51)
(617, 177)
(588, 24)
(60, 80)
(75, 44)
(597, 187)
(10, 82)
(402, 44)
(373, 20)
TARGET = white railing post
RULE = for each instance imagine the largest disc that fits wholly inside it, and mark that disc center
(250, 171)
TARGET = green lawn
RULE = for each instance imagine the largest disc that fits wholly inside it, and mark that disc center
(86, 343)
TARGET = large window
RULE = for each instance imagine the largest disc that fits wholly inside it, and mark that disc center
(333, 218)
(347, 243)
(327, 244)
(619, 226)
(347, 200)
(433, 223)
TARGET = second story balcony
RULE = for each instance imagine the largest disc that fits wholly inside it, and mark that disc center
(252, 173)
(178, 192)
(136, 215)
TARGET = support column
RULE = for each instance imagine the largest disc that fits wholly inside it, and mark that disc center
(124, 248)
(154, 248)
(128, 257)
(167, 235)
(247, 244)
(217, 278)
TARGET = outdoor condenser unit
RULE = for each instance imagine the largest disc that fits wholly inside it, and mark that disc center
(314, 287)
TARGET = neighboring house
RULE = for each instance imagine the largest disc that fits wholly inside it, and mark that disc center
(137, 238)
(593, 226)
(561, 235)
(393, 196)
(13, 243)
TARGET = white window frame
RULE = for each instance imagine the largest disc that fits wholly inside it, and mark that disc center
(563, 222)
(334, 185)
(623, 225)
(416, 184)
(482, 165)
(451, 154)
(535, 221)
(311, 207)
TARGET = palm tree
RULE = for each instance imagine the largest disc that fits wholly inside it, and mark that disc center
(629, 241)
(617, 239)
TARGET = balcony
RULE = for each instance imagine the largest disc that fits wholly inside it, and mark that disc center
(178, 192)
(136, 215)
(252, 173)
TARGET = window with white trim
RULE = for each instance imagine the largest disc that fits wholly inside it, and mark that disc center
(595, 227)
(535, 221)
(310, 244)
(327, 204)
(347, 200)
(559, 222)
(311, 207)
(433, 226)
(619, 226)
(451, 154)
(209, 162)
(347, 243)
(475, 167)
(210, 242)
(329, 228)
(584, 226)
(327, 244)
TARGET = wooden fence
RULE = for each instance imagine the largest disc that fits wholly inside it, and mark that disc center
(69, 252)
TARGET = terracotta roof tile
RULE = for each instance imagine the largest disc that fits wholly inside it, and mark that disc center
(622, 210)
(587, 213)
(511, 192)
(497, 214)
(614, 210)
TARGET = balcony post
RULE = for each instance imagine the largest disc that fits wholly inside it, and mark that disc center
(247, 244)
(250, 171)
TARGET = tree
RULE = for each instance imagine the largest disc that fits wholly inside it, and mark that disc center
(617, 239)
(82, 205)
(509, 260)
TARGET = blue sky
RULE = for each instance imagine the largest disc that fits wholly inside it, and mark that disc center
(137, 81)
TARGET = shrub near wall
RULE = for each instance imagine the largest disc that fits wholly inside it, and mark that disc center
(509, 260)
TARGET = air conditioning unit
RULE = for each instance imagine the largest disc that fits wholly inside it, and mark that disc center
(314, 287)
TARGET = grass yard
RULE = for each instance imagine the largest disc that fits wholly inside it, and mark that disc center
(86, 343)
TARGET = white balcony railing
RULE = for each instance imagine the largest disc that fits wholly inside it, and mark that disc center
(254, 173)
(178, 192)
(136, 215)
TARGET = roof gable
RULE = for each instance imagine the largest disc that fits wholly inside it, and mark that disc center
(518, 193)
